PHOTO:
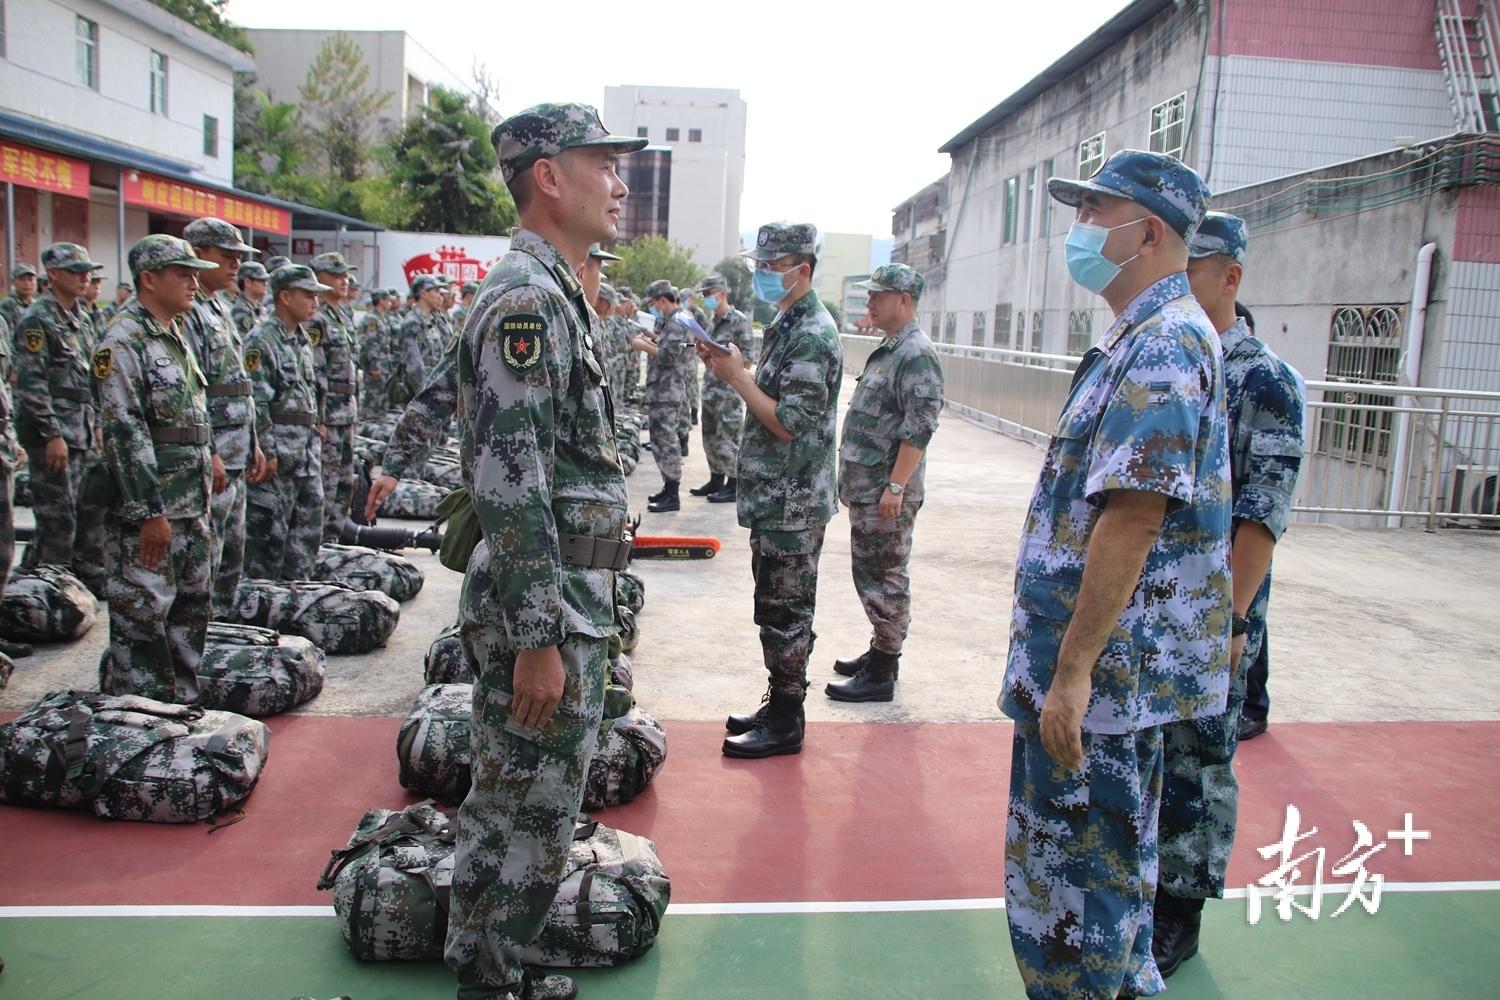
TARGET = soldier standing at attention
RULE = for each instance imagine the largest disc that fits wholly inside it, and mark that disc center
(882, 458)
(423, 425)
(22, 294)
(1122, 606)
(246, 309)
(332, 339)
(537, 607)
(465, 301)
(10, 457)
(374, 358)
(96, 313)
(219, 348)
(670, 354)
(285, 510)
(55, 400)
(1264, 397)
(420, 342)
(723, 410)
(786, 468)
(154, 414)
(123, 292)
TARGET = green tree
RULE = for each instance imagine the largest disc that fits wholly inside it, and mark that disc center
(736, 271)
(208, 16)
(443, 167)
(651, 257)
(340, 113)
(270, 145)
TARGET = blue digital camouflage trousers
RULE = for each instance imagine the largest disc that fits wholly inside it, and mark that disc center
(1200, 797)
(785, 567)
(516, 824)
(1080, 866)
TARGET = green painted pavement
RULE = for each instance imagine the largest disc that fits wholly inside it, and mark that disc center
(1418, 944)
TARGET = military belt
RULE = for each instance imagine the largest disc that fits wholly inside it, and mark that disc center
(229, 389)
(295, 419)
(594, 553)
(194, 434)
(76, 395)
(344, 388)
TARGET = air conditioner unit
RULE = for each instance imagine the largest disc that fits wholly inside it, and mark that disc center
(1476, 490)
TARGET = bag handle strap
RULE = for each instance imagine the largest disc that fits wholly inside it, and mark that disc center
(397, 825)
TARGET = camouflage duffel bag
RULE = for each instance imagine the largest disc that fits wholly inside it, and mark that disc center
(414, 500)
(130, 758)
(391, 887)
(368, 569)
(447, 663)
(432, 747)
(21, 486)
(632, 747)
(7, 667)
(630, 590)
(621, 670)
(257, 671)
(627, 463)
(443, 469)
(368, 450)
(46, 604)
(336, 618)
(630, 632)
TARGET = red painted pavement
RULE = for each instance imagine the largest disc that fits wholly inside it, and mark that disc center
(866, 812)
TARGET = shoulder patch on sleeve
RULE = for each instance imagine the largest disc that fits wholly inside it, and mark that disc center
(314, 334)
(252, 359)
(35, 340)
(521, 341)
(104, 363)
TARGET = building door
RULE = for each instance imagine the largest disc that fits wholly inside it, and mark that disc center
(26, 245)
(70, 220)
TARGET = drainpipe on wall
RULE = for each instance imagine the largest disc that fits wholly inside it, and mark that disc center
(1411, 374)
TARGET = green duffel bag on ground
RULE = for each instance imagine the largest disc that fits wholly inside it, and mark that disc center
(21, 486)
(7, 667)
(447, 663)
(46, 604)
(630, 632)
(632, 748)
(369, 569)
(630, 590)
(337, 619)
(443, 469)
(391, 892)
(432, 747)
(257, 671)
(130, 758)
(414, 500)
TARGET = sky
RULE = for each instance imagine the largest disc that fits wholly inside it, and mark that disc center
(847, 103)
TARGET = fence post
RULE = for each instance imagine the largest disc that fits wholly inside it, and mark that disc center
(1437, 464)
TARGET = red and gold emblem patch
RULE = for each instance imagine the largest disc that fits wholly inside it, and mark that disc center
(521, 340)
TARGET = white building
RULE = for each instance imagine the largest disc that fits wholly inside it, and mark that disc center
(841, 255)
(705, 130)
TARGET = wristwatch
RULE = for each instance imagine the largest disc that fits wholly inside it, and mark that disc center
(1240, 627)
(896, 489)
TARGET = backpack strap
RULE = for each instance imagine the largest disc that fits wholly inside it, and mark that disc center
(399, 824)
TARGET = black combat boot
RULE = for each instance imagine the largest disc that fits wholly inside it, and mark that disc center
(540, 984)
(667, 500)
(1174, 931)
(728, 494)
(714, 484)
(875, 682)
(737, 724)
(778, 732)
(848, 668)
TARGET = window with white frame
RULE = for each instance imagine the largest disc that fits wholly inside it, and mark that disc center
(1046, 205)
(1364, 346)
(1002, 325)
(158, 83)
(1090, 155)
(1169, 125)
(210, 136)
(1020, 340)
(86, 53)
(1036, 333)
(1080, 331)
(979, 319)
(1028, 194)
(950, 328)
(1008, 223)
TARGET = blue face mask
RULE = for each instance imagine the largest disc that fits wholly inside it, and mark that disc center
(1084, 250)
(710, 303)
(655, 313)
(769, 287)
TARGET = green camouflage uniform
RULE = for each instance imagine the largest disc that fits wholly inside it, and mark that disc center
(897, 400)
(425, 420)
(539, 460)
(11, 308)
(667, 393)
(246, 314)
(418, 347)
(723, 409)
(334, 350)
(153, 410)
(374, 364)
(284, 515)
(786, 492)
(8, 460)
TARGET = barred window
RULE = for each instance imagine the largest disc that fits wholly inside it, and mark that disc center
(1080, 331)
(1090, 155)
(950, 328)
(1009, 222)
(158, 83)
(1168, 125)
(1002, 325)
(1364, 346)
(979, 319)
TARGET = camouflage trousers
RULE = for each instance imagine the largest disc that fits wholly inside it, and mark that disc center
(694, 398)
(665, 419)
(157, 618)
(7, 523)
(879, 549)
(723, 418)
(285, 519)
(91, 538)
(374, 397)
(1080, 866)
(228, 541)
(516, 824)
(338, 479)
(54, 501)
(1200, 797)
(785, 567)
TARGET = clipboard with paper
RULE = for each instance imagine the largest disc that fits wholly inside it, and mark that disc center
(687, 319)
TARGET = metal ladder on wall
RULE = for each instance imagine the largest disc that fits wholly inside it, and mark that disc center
(1467, 46)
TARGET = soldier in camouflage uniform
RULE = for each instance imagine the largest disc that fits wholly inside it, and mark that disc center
(246, 309)
(331, 334)
(1264, 396)
(123, 294)
(374, 357)
(465, 300)
(285, 510)
(22, 294)
(422, 426)
(882, 459)
(537, 607)
(670, 350)
(219, 347)
(54, 398)
(9, 460)
(420, 342)
(723, 410)
(1122, 606)
(786, 489)
(153, 409)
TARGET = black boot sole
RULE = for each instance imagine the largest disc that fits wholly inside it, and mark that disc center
(722, 498)
(842, 694)
(740, 753)
(1167, 970)
(664, 508)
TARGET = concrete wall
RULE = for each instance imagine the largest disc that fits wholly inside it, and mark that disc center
(843, 254)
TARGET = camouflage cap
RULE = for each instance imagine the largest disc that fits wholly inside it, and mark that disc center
(298, 276)
(599, 253)
(252, 270)
(331, 262)
(470, 287)
(1222, 233)
(608, 294)
(626, 291)
(661, 288)
(353, 279)
(425, 282)
(544, 130)
(712, 282)
(276, 262)
(68, 257)
(160, 250)
(1161, 184)
(23, 271)
(211, 232)
(894, 278)
(777, 239)
(377, 295)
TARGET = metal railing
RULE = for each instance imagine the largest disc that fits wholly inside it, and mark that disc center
(1451, 438)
